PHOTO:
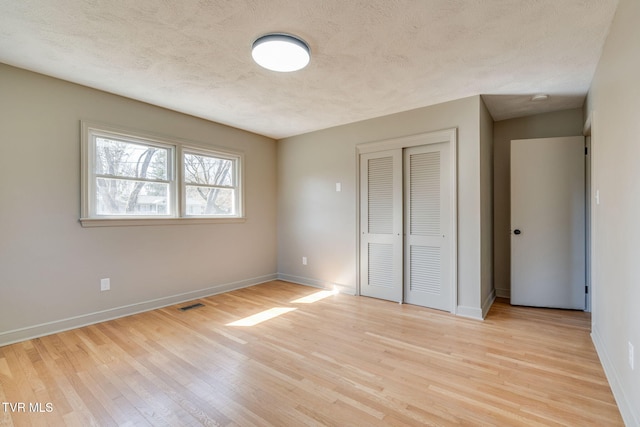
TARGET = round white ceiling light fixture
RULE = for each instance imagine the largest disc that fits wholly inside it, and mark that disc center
(281, 52)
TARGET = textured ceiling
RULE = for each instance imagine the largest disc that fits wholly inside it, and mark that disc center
(370, 58)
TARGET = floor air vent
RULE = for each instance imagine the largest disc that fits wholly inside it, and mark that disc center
(192, 306)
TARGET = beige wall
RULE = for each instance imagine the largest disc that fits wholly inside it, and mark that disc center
(614, 105)
(486, 208)
(561, 123)
(317, 222)
(50, 267)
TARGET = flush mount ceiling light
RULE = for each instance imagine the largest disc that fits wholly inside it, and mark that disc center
(281, 52)
(540, 97)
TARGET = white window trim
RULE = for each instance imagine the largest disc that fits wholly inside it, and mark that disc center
(177, 147)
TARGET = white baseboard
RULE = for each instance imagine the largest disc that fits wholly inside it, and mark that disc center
(630, 414)
(488, 302)
(477, 313)
(344, 289)
(35, 331)
(503, 293)
(470, 312)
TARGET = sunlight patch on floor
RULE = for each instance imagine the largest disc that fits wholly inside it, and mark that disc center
(262, 316)
(317, 296)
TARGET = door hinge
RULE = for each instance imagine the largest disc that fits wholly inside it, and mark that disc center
(586, 151)
(586, 289)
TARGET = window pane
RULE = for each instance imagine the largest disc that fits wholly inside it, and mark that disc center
(127, 197)
(200, 169)
(210, 201)
(124, 159)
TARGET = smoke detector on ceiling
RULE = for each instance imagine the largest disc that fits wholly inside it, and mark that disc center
(539, 97)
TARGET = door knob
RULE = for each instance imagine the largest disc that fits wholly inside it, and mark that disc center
(517, 231)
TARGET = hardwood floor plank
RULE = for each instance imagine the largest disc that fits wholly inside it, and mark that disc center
(340, 360)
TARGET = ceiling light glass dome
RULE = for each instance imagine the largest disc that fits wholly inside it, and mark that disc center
(281, 52)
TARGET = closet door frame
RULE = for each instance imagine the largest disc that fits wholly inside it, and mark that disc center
(443, 136)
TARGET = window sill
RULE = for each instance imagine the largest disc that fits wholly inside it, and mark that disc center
(128, 222)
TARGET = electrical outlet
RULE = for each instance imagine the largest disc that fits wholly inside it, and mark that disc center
(631, 356)
(105, 284)
(304, 260)
(338, 186)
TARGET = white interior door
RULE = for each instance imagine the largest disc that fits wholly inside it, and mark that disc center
(548, 222)
(381, 225)
(426, 226)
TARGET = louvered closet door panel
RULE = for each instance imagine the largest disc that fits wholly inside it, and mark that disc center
(426, 218)
(380, 265)
(424, 193)
(381, 225)
(380, 196)
(425, 269)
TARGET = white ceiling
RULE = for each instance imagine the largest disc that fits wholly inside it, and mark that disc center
(370, 58)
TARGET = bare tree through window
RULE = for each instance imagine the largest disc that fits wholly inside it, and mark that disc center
(209, 183)
(131, 178)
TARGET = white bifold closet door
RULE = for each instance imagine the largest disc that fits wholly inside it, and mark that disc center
(381, 225)
(405, 199)
(426, 225)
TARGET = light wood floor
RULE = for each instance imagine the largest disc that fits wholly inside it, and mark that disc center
(341, 361)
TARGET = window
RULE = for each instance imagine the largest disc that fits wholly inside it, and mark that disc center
(210, 184)
(129, 178)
